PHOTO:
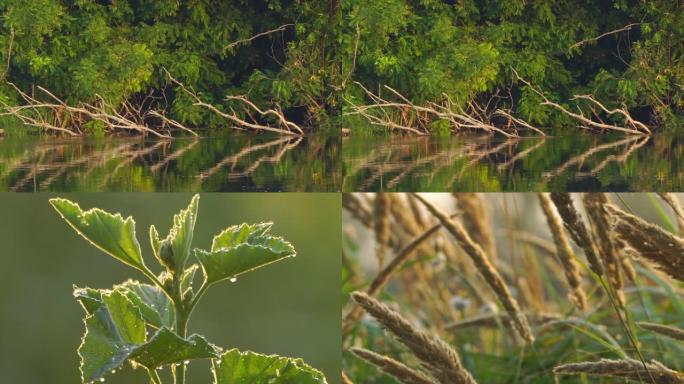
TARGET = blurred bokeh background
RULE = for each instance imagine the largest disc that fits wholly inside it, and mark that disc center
(289, 308)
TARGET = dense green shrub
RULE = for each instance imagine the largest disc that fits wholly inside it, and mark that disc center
(466, 50)
(117, 50)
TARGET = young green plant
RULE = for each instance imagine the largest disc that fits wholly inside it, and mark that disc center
(120, 320)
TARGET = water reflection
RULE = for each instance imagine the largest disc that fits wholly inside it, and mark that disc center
(235, 163)
(580, 162)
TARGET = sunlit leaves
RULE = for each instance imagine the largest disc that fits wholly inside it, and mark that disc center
(116, 333)
(150, 301)
(154, 305)
(110, 233)
(238, 234)
(173, 251)
(119, 320)
(165, 348)
(111, 333)
(241, 249)
(235, 367)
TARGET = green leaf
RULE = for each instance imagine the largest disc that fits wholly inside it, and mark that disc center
(90, 298)
(242, 248)
(228, 263)
(111, 331)
(238, 234)
(235, 367)
(165, 347)
(174, 250)
(154, 305)
(110, 233)
(187, 278)
(115, 333)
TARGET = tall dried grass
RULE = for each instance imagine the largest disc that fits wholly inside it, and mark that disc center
(441, 271)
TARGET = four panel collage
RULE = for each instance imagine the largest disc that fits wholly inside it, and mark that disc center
(341, 191)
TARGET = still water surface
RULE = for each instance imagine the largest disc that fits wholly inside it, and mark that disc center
(580, 162)
(232, 163)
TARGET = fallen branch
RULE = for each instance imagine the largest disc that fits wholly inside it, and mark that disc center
(404, 115)
(634, 127)
(286, 127)
(57, 115)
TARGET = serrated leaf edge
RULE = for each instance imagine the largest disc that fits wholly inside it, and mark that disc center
(117, 215)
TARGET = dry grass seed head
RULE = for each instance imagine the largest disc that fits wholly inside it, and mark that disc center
(672, 200)
(625, 368)
(650, 241)
(393, 367)
(438, 357)
(476, 221)
(607, 246)
(486, 269)
(578, 231)
(564, 251)
(666, 330)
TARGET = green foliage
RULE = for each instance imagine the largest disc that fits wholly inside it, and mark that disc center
(116, 51)
(235, 367)
(119, 320)
(427, 49)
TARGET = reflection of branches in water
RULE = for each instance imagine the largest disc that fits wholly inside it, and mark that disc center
(618, 158)
(175, 155)
(390, 164)
(522, 154)
(48, 162)
(232, 161)
(579, 159)
(131, 156)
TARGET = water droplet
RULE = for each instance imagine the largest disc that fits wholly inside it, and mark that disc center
(233, 279)
(102, 380)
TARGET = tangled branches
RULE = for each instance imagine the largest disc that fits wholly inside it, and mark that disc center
(632, 126)
(406, 116)
(255, 114)
(55, 115)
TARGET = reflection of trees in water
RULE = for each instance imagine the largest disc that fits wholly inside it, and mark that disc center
(44, 166)
(421, 160)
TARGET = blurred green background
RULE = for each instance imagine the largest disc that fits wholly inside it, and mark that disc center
(290, 308)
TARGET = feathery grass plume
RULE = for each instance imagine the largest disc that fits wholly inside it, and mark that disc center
(437, 356)
(564, 251)
(393, 368)
(627, 253)
(384, 275)
(607, 246)
(650, 241)
(476, 221)
(345, 379)
(626, 368)
(356, 208)
(672, 200)
(666, 330)
(381, 226)
(578, 231)
(484, 266)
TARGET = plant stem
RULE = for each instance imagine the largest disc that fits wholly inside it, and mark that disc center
(182, 329)
(154, 376)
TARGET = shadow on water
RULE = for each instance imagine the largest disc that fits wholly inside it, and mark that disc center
(580, 162)
(233, 163)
